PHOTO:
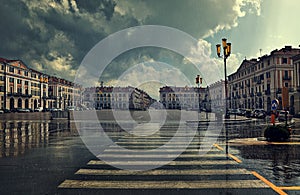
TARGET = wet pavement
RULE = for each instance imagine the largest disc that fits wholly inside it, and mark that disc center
(43, 156)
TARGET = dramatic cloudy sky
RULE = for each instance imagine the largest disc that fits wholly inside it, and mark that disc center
(53, 36)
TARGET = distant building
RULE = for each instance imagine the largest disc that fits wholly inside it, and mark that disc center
(257, 82)
(217, 94)
(104, 97)
(183, 97)
(63, 93)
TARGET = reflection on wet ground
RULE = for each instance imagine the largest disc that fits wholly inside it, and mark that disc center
(25, 140)
(18, 136)
(279, 162)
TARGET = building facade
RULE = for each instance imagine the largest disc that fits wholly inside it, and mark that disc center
(63, 93)
(259, 81)
(122, 98)
(217, 94)
(20, 86)
(189, 98)
(23, 87)
(295, 97)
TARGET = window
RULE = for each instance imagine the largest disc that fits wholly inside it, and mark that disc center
(262, 77)
(268, 75)
(26, 73)
(26, 82)
(19, 81)
(1, 78)
(11, 69)
(268, 62)
(2, 67)
(19, 71)
(1, 88)
(286, 84)
(284, 60)
(11, 80)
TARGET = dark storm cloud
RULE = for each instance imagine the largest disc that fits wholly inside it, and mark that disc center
(54, 35)
(14, 31)
(105, 6)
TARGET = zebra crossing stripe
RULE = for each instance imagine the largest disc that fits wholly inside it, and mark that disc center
(94, 184)
(162, 142)
(161, 155)
(160, 150)
(175, 163)
(164, 172)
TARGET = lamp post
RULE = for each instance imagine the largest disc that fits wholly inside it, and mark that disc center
(226, 53)
(199, 82)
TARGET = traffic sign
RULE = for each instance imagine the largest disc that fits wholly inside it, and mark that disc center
(274, 104)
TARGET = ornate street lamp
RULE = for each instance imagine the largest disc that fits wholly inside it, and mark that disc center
(226, 53)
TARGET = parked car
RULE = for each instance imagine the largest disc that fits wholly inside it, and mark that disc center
(259, 113)
(234, 111)
(38, 109)
(23, 110)
(30, 109)
(53, 109)
(6, 110)
(242, 112)
(281, 115)
(248, 113)
(14, 110)
(46, 109)
(70, 108)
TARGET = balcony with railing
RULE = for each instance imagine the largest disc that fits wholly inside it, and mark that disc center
(19, 94)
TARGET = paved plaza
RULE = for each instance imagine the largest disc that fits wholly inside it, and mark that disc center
(42, 156)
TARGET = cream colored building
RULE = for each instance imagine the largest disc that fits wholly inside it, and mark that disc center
(217, 94)
(122, 98)
(21, 86)
(259, 81)
(63, 93)
(183, 97)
